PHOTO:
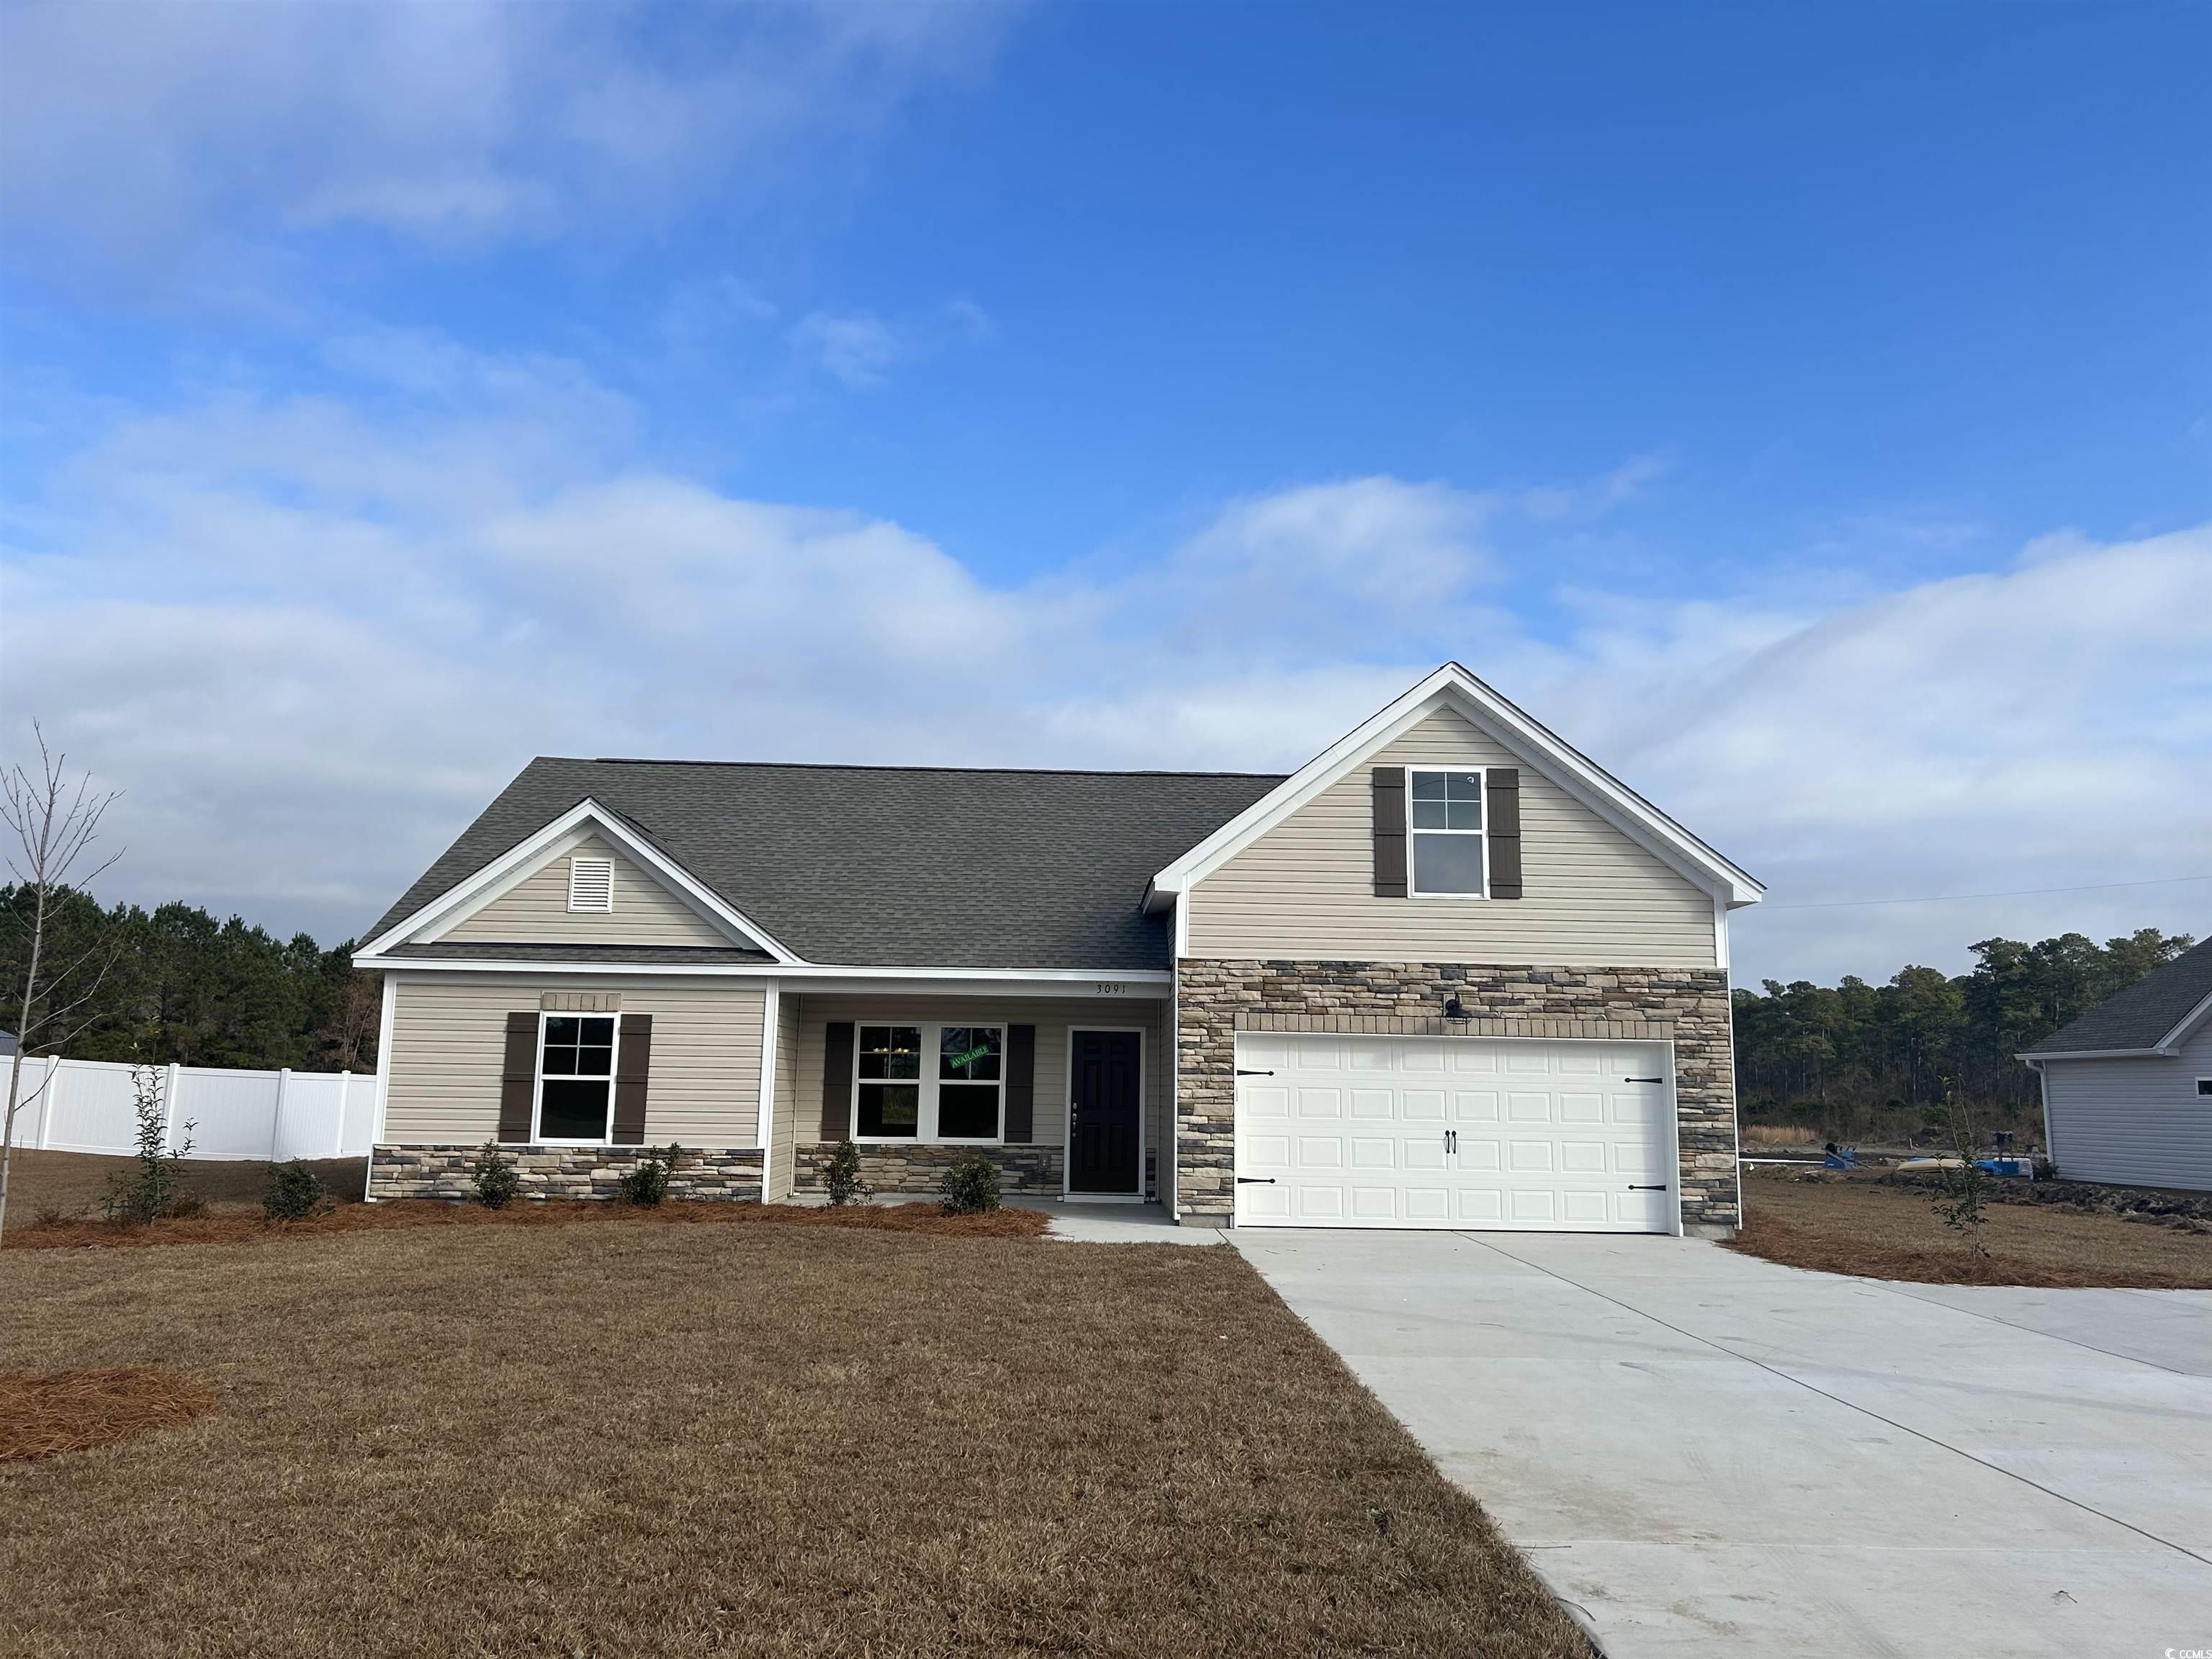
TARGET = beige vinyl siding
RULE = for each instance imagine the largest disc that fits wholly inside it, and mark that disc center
(783, 1129)
(1594, 896)
(449, 1037)
(1052, 1018)
(536, 910)
(2139, 1123)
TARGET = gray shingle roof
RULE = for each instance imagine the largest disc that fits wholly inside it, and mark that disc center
(896, 867)
(2139, 1016)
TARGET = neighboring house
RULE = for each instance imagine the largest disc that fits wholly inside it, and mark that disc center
(1447, 974)
(2127, 1088)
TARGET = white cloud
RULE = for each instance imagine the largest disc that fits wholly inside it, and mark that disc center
(859, 349)
(142, 130)
(313, 638)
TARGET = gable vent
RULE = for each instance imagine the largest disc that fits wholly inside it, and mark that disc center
(591, 883)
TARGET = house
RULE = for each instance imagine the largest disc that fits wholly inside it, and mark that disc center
(2127, 1088)
(1449, 974)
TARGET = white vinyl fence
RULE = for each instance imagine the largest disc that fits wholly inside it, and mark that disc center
(88, 1106)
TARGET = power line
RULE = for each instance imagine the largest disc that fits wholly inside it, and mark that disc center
(2017, 892)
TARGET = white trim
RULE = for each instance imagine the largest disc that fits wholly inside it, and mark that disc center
(927, 1083)
(1539, 748)
(1720, 933)
(2172, 1040)
(771, 1018)
(473, 893)
(825, 979)
(1067, 1117)
(538, 1136)
(2034, 1059)
(1481, 834)
(2042, 1095)
(386, 1020)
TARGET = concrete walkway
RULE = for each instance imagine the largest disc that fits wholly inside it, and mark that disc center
(1708, 1454)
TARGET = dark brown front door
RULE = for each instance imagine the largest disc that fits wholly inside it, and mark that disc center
(1101, 1112)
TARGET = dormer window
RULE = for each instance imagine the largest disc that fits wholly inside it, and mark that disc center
(591, 883)
(1449, 857)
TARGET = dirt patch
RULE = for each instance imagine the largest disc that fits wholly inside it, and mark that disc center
(1877, 1227)
(46, 1415)
(789, 1439)
(246, 1227)
(72, 1183)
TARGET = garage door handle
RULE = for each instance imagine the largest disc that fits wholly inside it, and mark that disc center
(1643, 1080)
(1241, 1071)
(1255, 1181)
(1661, 1187)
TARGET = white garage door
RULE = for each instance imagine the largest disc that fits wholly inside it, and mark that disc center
(1453, 1131)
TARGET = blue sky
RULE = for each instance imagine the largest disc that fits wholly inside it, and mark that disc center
(1806, 408)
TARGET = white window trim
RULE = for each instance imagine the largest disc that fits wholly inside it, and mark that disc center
(1412, 887)
(599, 866)
(2203, 1090)
(537, 1088)
(925, 1128)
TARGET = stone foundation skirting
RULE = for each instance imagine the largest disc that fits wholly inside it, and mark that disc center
(561, 1171)
(1687, 1007)
(1032, 1171)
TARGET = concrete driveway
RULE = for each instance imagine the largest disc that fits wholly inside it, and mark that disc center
(1708, 1454)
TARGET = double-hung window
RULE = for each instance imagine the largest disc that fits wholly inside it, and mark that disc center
(575, 1077)
(929, 1083)
(1449, 857)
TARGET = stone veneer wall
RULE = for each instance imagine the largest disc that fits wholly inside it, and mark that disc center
(561, 1171)
(1030, 1170)
(1686, 1006)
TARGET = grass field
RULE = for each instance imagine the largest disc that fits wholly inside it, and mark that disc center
(1847, 1225)
(635, 1438)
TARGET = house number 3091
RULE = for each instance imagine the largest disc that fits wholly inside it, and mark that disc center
(1109, 987)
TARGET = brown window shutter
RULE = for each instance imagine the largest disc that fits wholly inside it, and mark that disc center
(633, 1064)
(1021, 1084)
(1503, 785)
(1389, 832)
(837, 1080)
(518, 1078)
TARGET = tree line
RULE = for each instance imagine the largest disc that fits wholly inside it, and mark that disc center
(175, 983)
(1857, 1060)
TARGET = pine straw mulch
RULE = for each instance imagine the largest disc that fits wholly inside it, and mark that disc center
(1874, 1231)
(246, 1226)
(46, 1415)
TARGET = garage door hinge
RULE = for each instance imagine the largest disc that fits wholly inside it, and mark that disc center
(1643, 1080)
(1661, 1187)
(1241, 1071)
(1255, 1181)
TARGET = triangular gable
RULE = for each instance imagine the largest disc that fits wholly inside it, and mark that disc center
(1452, 686)
(585, 823)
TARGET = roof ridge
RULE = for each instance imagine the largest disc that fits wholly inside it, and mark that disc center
(867, 766)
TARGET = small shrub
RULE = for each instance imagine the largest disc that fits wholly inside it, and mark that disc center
(56, 1215)
(155, 1189)
(646, 1180)
(294, 1193)
(971, 1185)
(1961, 1196)
(842, 1177)
(496, 1180)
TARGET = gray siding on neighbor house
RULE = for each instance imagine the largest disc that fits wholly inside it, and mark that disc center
(536, 910)
(1053, 1017)
(448, 1041)
(1306, 889)
(2136, 1123)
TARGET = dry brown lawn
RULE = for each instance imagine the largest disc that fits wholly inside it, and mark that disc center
(1843, 1226)
(632, 1438)
(73, 1183)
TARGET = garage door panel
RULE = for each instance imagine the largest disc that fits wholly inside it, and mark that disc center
(1442, 1132)
(1475, 1106)
(1528, 1106)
